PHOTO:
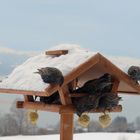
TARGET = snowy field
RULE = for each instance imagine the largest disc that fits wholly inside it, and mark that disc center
(83, 136)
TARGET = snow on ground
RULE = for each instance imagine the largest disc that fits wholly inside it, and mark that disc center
(82, 136)
(24, 78)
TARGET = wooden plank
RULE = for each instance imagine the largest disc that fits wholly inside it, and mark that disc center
(57, 52)
(23, 92)
(114, 109)
(71, 109)
(75, 73)
(38, 106)
(64, 95)
(66, 126)
(51, 89)
(58, 108)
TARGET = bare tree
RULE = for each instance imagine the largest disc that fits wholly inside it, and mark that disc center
(119, 124)
(8, 125)
(137, 123)
(24, 126)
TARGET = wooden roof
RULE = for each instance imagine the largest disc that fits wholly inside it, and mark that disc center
(92, 68)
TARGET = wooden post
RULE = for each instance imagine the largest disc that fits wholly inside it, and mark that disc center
(66, 122)
(116, 83)
(64, 95)
(66, 126)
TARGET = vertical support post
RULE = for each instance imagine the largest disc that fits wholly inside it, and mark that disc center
(115, 85)
(66, 126)
(64, 95)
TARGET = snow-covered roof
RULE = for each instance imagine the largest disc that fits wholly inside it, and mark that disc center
(24, 78)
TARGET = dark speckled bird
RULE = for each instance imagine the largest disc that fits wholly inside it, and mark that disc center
(134, 73)
(86, 103)
(51, 75)
(53, 99)
(101, 85)
(109, 100)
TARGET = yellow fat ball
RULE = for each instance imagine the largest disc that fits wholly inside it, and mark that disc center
(84, 120)
(33, 117)
(105, 120)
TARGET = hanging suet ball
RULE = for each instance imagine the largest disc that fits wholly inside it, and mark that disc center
(84, 120)
(33, 117)
(105, 120)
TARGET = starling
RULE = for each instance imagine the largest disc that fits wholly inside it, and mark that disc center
(134, 73)
(86, 103)
(53, 99)
(108, 101)
(51, 75)
(100, 85)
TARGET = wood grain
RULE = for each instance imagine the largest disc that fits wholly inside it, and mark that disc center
(57, 52)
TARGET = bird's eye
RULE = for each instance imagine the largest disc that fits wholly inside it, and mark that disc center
(134, 71)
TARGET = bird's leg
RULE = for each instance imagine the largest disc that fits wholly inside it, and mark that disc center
(36, 97)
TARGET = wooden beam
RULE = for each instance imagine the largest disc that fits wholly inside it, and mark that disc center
(75, 73)
(38, 106)
(23, 92)
(57, 52)
(115, 86)
(71, 109)
(66, 126)
(51, 89)
(128, 92)
(64, 95)
(58, 108)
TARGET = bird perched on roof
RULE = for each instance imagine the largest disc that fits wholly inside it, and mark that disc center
(101, 85)
(108, 101)
(134, 73)
(51, 75)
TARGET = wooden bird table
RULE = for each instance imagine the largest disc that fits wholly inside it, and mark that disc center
(99, 65)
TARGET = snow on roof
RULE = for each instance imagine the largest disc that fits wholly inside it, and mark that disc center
(24, 78)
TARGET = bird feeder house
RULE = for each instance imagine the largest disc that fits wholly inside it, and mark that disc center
(91, 67)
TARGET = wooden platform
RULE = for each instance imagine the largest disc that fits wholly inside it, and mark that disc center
(59, 108)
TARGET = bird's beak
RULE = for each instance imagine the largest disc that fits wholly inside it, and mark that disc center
(37, 72)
